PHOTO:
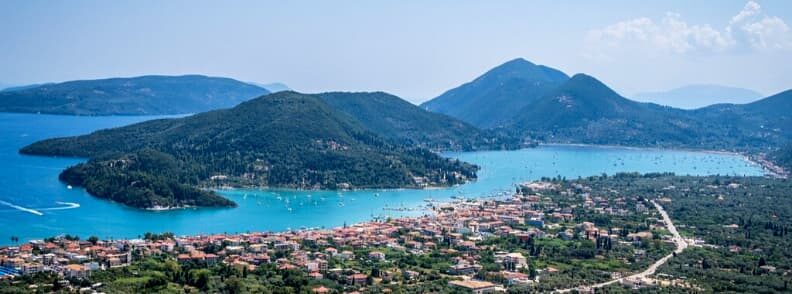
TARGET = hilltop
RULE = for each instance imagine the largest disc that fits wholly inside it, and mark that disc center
(492, 99)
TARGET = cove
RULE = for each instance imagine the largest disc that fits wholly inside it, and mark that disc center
(35, 205)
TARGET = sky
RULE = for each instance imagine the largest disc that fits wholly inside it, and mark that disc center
(414, 49)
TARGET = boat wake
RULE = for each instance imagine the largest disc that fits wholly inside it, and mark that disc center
(66, 205)
(20, 208)
(38, 211)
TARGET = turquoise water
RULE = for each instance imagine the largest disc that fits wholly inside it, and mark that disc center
(34, 204)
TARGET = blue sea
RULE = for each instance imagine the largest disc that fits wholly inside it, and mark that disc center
(35, 205)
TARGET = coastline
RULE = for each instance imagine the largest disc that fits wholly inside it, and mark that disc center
(167, 208)
(770, 168)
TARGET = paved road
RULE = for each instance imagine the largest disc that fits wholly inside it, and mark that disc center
(681, 244)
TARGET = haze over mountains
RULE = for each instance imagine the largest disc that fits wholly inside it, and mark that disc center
(697, 96)
(274, 87)
(146, 95)
(534, 101)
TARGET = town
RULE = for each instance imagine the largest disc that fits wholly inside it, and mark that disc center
(542, 237)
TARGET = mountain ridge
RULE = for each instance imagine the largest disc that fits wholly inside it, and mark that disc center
(142, 95)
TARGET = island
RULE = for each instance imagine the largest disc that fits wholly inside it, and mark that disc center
(285, 139)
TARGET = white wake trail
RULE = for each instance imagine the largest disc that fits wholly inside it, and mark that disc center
(68, 205)
(20, 208)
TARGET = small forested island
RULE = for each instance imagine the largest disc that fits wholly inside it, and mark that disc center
(286, 139)
(604, 233)
(146, 179)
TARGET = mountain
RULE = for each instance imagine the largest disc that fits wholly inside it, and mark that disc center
(146, 95)
(492, 99)
(697, 96)
(764, 123)
(286, 139)
(273, 87)
(584, 110)
(403, 122)
(23, 87)
(581, 109)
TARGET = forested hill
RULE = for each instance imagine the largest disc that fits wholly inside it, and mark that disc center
(145, 95)
(584, 110)
(286, 139)
(493, 98)
(401, 121)
(539, 103)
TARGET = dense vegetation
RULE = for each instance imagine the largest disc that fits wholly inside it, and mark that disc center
(401, 121)
(146, 178)
(528, 101)
(146, 95)
(783, 157)
(584, 110)
(285, 139)
(744, 223)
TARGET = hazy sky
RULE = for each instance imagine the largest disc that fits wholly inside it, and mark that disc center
(414, 49)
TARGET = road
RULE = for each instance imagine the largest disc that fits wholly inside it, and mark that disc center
(681, 245)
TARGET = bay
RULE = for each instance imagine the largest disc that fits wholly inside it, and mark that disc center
(35, 205)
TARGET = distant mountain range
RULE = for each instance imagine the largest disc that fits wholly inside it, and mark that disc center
(539, 102)
(23, 87)
(697, 96)
(286, 139)
(146, 95)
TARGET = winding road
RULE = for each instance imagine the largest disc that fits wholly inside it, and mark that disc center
(681, 245)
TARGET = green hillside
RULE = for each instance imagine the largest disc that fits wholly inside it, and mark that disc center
(396, 119)
(285, 139)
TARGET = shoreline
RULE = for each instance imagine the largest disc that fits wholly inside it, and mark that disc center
(383, 190)
(770, 168)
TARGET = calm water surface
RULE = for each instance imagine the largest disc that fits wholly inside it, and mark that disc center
(34, 204)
